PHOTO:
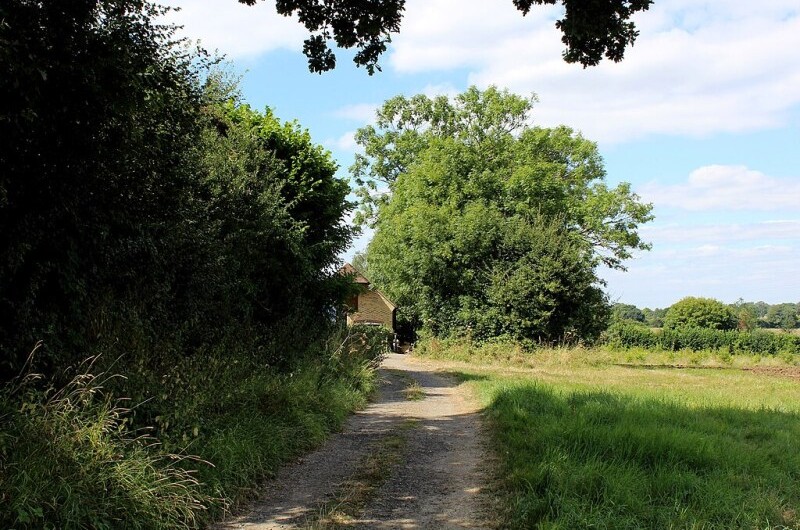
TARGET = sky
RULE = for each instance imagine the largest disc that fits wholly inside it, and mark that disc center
(702, 117)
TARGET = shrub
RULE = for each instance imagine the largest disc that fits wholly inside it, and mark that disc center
(630, 335)
(692, 312)
(626, 334)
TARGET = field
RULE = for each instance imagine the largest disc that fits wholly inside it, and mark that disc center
(585, 442)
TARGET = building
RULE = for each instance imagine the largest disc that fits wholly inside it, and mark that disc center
(369, 306)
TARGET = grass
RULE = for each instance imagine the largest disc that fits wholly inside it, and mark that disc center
(68, 462)
(584, 442)
(414, 391)
(71, 458)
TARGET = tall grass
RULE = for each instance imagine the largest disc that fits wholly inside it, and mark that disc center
(70, 462)
(509, 353)
(76, 458)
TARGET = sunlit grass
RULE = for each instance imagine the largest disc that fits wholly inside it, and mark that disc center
(584, 442)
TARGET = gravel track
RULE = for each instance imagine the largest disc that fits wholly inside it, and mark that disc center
(439, 482)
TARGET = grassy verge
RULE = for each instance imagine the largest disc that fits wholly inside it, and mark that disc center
(606, 446)
(72, 459)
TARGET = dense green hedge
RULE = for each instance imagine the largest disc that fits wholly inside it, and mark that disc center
(629, 334)
(145, 211)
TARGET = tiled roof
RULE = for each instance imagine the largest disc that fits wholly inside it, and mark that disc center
(358, 277)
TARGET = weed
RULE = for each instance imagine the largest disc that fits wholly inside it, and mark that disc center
(414, 391)
(69, 462)
(75, 458)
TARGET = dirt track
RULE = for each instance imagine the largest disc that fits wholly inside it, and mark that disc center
(428, 458)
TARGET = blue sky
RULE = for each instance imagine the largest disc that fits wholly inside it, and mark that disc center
(702, 117)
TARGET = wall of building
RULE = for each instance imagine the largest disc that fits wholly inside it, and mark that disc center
(373, 309)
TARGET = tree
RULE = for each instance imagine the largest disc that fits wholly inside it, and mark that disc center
(486, 224)
(100, 122)
(139, 206)
(783, 316)
(551, 171)
(590, 30)
(654, 318)
(746, 315)
(275, 216)
(621, 312)
(691, 312)
(359, 262)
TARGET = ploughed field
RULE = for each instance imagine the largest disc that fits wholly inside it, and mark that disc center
(583, 441)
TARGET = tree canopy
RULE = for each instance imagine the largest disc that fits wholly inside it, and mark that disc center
(782, 316)
(139, 202)
(487, 224)
(622, 312)
(591, 30)
(693, 312)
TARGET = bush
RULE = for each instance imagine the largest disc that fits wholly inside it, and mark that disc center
(691, 312)
(630, 335)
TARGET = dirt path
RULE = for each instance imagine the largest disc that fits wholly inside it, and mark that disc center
(400, 463)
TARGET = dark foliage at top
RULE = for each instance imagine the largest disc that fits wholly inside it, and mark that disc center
(138, 210)
(591, 30)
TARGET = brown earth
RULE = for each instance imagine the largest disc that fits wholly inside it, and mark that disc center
(398, 464)
(792, 372)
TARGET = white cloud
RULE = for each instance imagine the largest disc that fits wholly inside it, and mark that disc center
(441, 89)
(698, 67)
(346, 142)
(660, 278)
(237, 30)
(719, 187)
(723, 233)
(359, 112)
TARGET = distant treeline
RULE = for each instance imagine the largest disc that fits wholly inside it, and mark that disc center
(747, 315)
(706, 324)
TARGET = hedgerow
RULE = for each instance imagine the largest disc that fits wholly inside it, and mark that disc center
(629, 334)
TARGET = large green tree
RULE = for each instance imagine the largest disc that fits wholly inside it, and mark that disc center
(782, 316)
(591, 30)
(487, 224)
(694, 312)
